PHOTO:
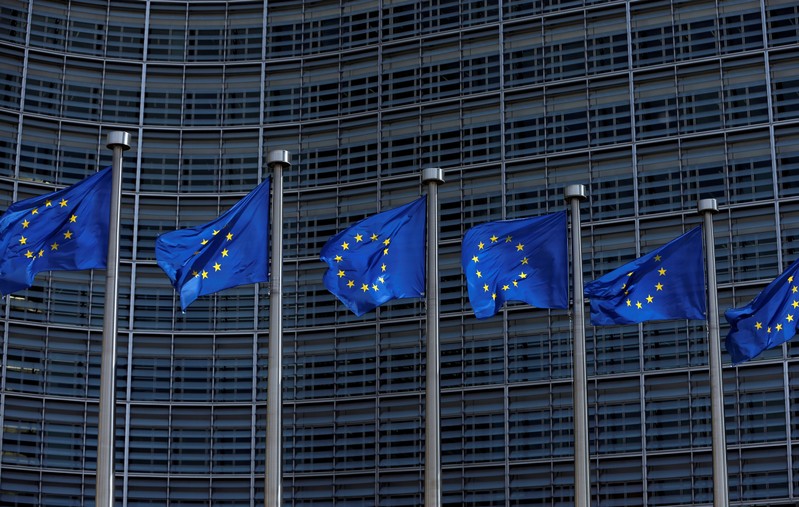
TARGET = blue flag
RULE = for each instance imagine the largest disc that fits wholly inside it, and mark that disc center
(668, 283)
(379, 258)
(229, 251)
(524, 260)
(766, 322)
(66, 230)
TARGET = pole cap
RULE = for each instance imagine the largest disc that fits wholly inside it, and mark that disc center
(279, 157)
(118, 138)
(432, 175)
(575, 192)
(707, 206)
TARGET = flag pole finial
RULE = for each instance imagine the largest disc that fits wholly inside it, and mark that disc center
(118, 138)
(707, 206)
(432, 175)
(279, 157)
(575, 191)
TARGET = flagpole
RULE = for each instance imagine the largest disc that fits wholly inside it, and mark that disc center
(575, 194)
(278, 160)
(118, 141)
(432, 437)
(707, 208)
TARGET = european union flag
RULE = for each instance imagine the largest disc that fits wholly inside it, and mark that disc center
(66, 230)
(378, 259)
(768, 321)
(229, 251)
(523, 259)
(668, 283)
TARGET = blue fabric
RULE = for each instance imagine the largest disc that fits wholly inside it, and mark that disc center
(229, 251)
(380, 258)
(767, 321)
(668, 283)
(524, 260)
(66, 230)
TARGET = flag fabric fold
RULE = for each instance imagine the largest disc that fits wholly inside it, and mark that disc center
(767, 321)
(379, 258)
(66, 230)
(229, 251)
(524, 259)
(668, 283)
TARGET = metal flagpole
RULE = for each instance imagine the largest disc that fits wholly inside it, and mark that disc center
(575, 194)
(432, 437)
(707, 208)
(118, 141)
(278, 160)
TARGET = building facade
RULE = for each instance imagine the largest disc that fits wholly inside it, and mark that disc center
(652, 104)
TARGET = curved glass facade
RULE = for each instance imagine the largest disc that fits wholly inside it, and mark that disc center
(651, 104)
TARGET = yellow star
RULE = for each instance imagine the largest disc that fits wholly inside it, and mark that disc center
(215, 232)
(657, 258)
(204, 242)
(340, 273)
(789, 318)
(382, 280)
(758, 325)
(659, 286)
(54, 246)
(638, 305)
(229, 236)
(338, 258)
(522, 275)
(790, 279)
(480, 245)
(385, 251)
(779, 327)
(23, 240)
(508, 239)
(768, 329)
(505, 287)
(383, 268)
(485, 288)
(630, 273)
(475, 259)
(35, 211)
(662, 271)
(350, 284)
(794, 289)
(48, 203)
(217, 266)
(387, 241)
(345, 246)
(373, 237)
(624, 286)
(649, 299)
(196, 274)
(68, 235)
(515, 283)
(374, 287)
(629, 303)
(479, 274)
(494, 239)
(205, 274)
(795, 304)
(63, 202)
(519, 247)
(494, 296)
(358, 238)
(25, 224)
(224, 252)
(73, 218)
(364, 287)
(41, 253)
(29, 254)
(524, 261)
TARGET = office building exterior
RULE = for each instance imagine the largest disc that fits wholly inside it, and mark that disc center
(651, 104)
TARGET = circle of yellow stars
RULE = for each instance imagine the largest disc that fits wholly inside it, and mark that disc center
(342, 274)
(514, 279)
(649, 298)
(789, 317)
(34, 214)
(203, 274)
